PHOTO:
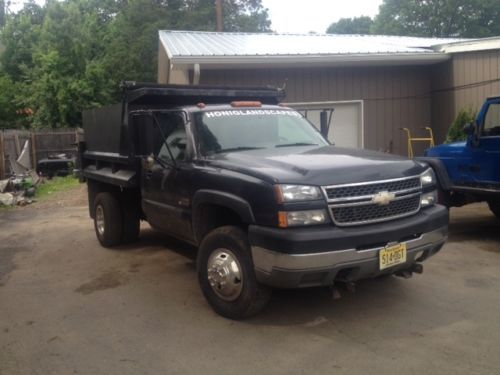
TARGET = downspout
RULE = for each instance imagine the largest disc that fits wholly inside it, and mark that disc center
(169, 70)
(196, 74)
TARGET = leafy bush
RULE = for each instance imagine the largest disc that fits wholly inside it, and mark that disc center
(456, 131)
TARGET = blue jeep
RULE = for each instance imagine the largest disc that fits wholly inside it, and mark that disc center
(470, 171)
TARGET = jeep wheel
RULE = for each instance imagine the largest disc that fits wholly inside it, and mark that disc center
(495, 207)
(226, 274)
(108, 219)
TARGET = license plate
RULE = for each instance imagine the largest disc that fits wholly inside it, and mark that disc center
(392, 255)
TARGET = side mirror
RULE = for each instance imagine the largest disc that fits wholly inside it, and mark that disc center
(469, 128)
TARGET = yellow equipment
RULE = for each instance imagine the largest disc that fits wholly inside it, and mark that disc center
(411, 139)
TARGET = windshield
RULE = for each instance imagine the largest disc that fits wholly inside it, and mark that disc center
(251, 129)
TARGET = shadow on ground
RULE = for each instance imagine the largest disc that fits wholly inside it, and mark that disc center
(469, 225)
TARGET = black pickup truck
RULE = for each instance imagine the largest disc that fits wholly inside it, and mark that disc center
(268, 201)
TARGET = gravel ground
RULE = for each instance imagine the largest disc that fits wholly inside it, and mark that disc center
(68, 306)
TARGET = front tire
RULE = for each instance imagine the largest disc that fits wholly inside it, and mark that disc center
(226, 274)
(108, 219)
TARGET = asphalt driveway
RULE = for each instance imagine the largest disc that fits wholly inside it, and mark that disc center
(68, 306)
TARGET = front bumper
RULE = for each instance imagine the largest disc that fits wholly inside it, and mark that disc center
(297, 258)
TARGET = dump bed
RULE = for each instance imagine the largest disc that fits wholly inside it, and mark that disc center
(107, 153)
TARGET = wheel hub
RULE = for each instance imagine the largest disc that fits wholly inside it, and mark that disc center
(99, 219)
(224, 274)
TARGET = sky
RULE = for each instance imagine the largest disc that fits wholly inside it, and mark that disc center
(298, 16)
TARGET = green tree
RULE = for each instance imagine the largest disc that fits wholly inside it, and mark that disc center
(245, 16)
(8, 107)
(67, 75)
(456, 131)
(132, 41)
(356, 25)
(19, 37)
(438, 18)
(69, 55)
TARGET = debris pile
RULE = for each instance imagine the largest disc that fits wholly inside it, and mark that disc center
(18, 190)
(21, 187)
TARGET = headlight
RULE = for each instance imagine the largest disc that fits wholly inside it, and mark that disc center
(296, 218)
(428, 199)
(295, 193)
(428, 177)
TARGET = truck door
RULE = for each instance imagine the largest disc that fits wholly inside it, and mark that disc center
(485, 163)
(164, 172)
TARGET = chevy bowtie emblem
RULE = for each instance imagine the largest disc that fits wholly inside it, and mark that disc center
(383, 198)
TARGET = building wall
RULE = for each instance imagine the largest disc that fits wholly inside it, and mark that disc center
(464, 81)
(393, 97)
(163, 65)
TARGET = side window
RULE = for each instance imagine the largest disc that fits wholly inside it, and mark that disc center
(174, 130)
(152, 139)
(492, 120)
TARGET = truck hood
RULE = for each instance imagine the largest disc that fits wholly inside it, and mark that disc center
(328, 165)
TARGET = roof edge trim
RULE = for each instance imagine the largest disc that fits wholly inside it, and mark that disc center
(431, 57)
(484, 44)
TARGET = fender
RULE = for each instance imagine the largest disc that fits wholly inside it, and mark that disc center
(220, 198)
(440, 170)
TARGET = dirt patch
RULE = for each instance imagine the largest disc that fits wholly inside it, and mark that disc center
(134, 267)
(74, 197)
(478, 283)
(7, 264)
(108, 280)
(492, 247)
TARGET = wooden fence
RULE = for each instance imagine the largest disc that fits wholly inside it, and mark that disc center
(42, 144)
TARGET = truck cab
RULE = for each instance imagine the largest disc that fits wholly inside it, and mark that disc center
(469, 171)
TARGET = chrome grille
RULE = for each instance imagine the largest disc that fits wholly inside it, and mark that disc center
(357, 204)
(370, 212)
(349, 191)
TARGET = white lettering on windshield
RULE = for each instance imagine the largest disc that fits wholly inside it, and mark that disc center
(252, 112)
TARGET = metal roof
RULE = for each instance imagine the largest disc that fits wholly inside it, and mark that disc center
(470, 45)
(186, 47)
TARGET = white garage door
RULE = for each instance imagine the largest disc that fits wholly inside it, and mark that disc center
(346, 128)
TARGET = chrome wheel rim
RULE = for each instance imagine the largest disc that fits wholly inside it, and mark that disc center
(99, 219)
(225, 274)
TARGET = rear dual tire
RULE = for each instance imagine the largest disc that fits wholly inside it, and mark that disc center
(115, 222)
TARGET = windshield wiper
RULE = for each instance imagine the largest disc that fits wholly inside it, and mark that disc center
(241, 148)
(296, 144)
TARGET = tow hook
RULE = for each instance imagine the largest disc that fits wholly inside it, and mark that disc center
(348, 286)
(417, 268)
(406, 274)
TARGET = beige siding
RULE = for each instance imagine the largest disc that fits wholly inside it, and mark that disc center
(464, 81)
(393, 97)
(163, 65)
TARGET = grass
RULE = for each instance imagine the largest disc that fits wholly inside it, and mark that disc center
(2, 207)
(56, 185)
(52, 187)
